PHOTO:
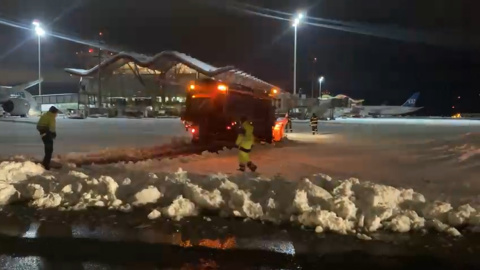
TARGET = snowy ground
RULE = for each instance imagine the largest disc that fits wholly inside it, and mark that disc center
(345, 206)
(437, 157)
(438, 160)
(19, 136)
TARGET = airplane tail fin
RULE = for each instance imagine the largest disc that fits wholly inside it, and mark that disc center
(412, 100)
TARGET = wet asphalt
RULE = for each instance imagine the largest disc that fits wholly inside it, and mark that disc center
(103, 239)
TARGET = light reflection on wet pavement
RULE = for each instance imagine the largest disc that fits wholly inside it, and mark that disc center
(99, 239)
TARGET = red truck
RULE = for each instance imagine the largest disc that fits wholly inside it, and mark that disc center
(213, 111)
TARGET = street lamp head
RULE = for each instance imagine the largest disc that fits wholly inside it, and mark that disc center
(39, 31)
(321, 79)
(296, 22)
(298, 19)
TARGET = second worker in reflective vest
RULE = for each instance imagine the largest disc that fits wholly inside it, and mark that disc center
(46, 126)
(314, 124)
(244, 143)
(288, 127)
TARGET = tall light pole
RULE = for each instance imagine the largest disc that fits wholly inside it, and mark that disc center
(320, 80)
(296, 23)
(100, 97)
(40, 32)
(313, 73)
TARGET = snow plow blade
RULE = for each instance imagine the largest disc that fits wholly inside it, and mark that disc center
(278, 129)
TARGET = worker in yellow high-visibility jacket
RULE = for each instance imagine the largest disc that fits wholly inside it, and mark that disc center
(244, 143)
(46, 126)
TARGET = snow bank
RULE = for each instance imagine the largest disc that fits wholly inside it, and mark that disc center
(51, 200)
(154, 214)
(148, 195)
(12, 173)
(179, 208)
(112, 155)
(324, 204)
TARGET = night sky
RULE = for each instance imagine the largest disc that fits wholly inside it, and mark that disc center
(380, 70)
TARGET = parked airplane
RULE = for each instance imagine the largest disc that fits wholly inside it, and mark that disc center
(16, 101)
(384, 110)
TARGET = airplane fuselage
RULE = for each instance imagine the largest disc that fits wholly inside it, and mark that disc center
(383, 110)
(16, 101)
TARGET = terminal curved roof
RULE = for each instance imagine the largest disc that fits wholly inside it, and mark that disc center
(167, 59)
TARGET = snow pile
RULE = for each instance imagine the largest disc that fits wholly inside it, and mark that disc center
(12, 173)
(51, 200)
(8, 193)
(180, 208)
(127, 181)
(36, 191)
(78, 174)
(148, 195)
(204, 198)
(367, 207)
(238, 202)
(91, 192)
(154, 214)
(324, 220)
(346, 206)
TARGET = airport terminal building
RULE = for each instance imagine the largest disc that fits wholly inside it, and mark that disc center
(130, 83)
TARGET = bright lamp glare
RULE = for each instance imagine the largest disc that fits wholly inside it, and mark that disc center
(222, 87)
(39, 31)
(296, 22)
(321, 79)
(300, 16)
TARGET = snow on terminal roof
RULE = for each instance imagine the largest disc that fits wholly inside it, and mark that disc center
(165, 60)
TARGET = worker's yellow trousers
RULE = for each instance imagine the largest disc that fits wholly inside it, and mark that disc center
(243, 157)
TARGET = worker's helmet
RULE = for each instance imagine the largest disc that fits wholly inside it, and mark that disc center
(53, 109)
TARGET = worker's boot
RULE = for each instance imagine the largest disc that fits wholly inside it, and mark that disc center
(252, 166)
(241, 167)
(46, 167)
